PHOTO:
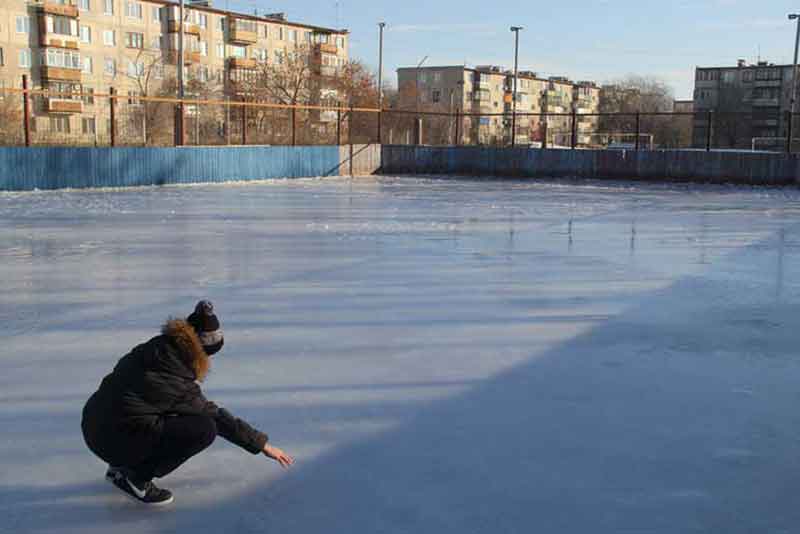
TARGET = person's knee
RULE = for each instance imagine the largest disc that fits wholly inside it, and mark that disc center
(206, 431)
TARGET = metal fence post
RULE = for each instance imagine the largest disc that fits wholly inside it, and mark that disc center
(244, 122)
(458, 124)
(709, 126)
(112, 102)
(544, 132)
(294, 125)
(338, 127)
(789, 129)
(638, 128)
(26, 112)
(228, 120)
(574, 129)
(380, 116)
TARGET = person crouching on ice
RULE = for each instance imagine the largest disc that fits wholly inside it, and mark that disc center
(149, 415)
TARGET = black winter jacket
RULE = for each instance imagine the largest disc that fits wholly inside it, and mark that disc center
(157, 379)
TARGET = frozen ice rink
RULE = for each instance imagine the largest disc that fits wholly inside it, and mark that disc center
(440, 356)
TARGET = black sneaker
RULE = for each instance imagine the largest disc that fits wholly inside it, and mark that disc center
(144, 492)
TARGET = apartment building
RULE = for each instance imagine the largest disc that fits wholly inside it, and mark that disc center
(91, 46)
(748, 101)
(489, 90)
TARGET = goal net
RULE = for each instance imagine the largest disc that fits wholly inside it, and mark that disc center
(610, 140)
(770, 144)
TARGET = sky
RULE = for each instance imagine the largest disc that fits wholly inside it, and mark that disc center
(600, 40)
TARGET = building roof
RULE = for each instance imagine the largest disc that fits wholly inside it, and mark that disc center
(275, 19)
(525, 74)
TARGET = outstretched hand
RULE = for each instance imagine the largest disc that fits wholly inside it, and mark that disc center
(278, 455)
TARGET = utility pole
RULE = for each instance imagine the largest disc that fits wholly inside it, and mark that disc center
(793, 16)
(179, 125)
(418, 121)
(516, 30)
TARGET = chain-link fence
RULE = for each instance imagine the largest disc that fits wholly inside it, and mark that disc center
(66, 116)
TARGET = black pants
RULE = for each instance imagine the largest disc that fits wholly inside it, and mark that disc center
(182, 437)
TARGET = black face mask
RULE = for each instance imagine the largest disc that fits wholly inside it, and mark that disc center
(215, 348)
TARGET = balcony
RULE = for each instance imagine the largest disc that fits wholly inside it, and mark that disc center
(327, 48)
(61, 105)
(58, 41)
(768, 83)
(60, 73)
(54, 8)
(173, 26)
(189, 57)
(240, 33)
(241, 63)
(766, 102)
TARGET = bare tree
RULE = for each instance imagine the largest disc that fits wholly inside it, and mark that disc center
(11, 127)
(640, 94)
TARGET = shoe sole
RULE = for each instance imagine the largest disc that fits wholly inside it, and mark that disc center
(134, 499)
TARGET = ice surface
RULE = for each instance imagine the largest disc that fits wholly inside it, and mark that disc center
(441, 356)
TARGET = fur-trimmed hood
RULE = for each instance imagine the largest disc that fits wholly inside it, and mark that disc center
(185, 338)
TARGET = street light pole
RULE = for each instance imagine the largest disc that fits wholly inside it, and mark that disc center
(417, 127)
(516, 30)
(381, 26)
(793, 98)
(180, 53)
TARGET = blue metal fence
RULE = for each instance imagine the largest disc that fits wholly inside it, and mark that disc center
(25, 169)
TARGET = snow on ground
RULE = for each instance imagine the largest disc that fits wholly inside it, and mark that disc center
(441, 356)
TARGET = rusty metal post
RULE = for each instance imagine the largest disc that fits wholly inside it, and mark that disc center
(709, 125)
(574, 129)
(26, 112)
(244, 122)
(638, 128)
(544, 132)
(789, 120)
(338, 127)
(112, 102)
(294, 126)
(458, 126)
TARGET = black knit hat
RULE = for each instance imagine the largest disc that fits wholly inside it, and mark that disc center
(206, 324)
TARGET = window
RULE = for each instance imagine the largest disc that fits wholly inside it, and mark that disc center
(436, 96)
(109, 38)
(134, 40)
(133, 98)
(156, 42)
(62, 25)
(279, 57)
(2, 57)
(158, 70)
(110, 67)
(340, 42)
(280, 33)
(293, 36)
(202, 74)
(155, 14)
(25, 58)
(238, 51)
(88, 125)
(87, 64)
(62, 58)
(246, 25)
(86, 34)
(88, 96)
(308, 37)
(221, 24)
(747, 76)
(23, 25)
(64, 90)
(133, 10)
(220, 49)
(108, 7)
(203, 47)
(135, 69)
(59, 124)
(202, 20)
(437, 77)
(85, 5)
